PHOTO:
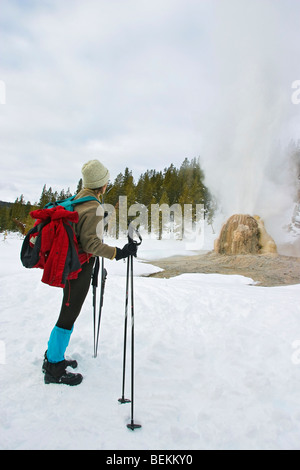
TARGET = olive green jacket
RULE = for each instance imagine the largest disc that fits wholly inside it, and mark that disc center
(88, 230)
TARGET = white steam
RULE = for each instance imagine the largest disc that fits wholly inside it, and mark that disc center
(252, 118)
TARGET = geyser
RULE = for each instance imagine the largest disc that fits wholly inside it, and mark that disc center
(252, 119)
(243, 234)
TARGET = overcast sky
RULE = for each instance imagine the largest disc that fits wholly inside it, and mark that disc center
(138, 83)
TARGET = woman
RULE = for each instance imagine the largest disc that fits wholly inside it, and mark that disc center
(95, 178)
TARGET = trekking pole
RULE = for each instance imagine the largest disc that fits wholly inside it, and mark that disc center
(132, 424)
(95, 285)
(123, 399)
(103, 280)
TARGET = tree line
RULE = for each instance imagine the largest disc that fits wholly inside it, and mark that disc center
(183, 185)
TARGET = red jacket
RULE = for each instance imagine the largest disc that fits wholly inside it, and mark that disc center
(58, 251)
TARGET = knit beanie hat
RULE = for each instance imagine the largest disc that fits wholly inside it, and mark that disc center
(94, 175)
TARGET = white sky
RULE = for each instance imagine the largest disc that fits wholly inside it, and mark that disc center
(139, 83)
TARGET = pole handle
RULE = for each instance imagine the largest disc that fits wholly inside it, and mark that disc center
(134, 231)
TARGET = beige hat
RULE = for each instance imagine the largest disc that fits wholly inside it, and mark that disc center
(94, 175)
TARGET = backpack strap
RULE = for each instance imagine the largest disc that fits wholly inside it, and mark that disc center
(85, 199)
(70, 202)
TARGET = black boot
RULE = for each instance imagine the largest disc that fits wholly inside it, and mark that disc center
(68, 363)
(57, 374)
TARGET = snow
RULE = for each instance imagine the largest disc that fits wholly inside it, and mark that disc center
(217, 365)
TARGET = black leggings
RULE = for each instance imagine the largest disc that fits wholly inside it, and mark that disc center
(75, 292)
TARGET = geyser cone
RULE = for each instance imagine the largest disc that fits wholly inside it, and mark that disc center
(243, 234)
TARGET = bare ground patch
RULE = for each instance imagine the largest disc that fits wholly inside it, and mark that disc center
(266, 270)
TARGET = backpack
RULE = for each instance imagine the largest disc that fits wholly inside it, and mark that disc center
(70, 202)
(52, 244)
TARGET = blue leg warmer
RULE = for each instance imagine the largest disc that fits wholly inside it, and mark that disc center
(57, 344)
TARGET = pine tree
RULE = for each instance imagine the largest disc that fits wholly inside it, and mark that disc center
(144, 190)
(4, 218)
(62, 195)
(128, 187)
(68, 193)
(44, 197)
(79, 186)
(171, 183)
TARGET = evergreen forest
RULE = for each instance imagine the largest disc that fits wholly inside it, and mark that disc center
(183, 185)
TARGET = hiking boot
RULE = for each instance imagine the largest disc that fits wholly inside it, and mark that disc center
(68, 363)
(55, 373)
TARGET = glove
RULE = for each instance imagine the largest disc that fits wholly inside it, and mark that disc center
(127, 250)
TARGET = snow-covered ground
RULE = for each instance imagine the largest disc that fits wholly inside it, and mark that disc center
(217, 362)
